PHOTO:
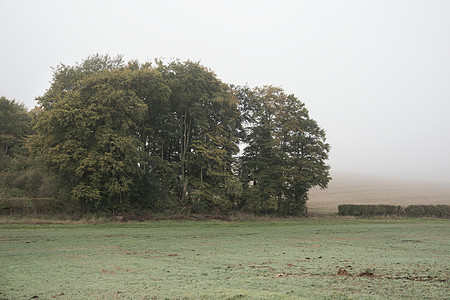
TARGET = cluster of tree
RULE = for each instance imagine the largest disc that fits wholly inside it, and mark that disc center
(20, 175)
(117, 136)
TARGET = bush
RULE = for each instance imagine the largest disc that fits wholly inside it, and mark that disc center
(368, 210)
(37, 182)
(26, 206)
(438, 211)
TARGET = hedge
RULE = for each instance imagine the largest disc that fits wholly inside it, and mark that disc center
(368, 210)
(30, 206)
(439, 211)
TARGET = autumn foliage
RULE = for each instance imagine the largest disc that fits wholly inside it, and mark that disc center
(164, 137)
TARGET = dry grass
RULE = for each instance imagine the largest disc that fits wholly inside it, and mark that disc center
(346, 188)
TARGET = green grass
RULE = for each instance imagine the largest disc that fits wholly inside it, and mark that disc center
(292, 259)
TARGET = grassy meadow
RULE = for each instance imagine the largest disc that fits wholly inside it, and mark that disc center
(338, 258)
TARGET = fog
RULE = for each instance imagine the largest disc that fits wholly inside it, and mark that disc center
(374, 74)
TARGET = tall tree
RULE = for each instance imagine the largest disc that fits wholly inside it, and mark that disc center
(165, 136)
(285, 152)
(204, 123)
(157, 178)
(157, 137)
(87, 131)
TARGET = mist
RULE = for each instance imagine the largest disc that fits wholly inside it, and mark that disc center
(373, 74)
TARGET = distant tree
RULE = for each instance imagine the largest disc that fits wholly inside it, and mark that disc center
(15, 126)
(285, 152)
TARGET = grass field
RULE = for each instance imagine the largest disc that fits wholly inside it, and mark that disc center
(290, 259)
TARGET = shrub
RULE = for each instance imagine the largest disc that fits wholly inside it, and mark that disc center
(438, 211)
(368, 210)
(27, 206)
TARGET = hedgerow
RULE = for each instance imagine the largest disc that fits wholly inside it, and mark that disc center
(357, 210)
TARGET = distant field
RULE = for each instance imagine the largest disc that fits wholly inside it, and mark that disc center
(347, 188)
(291, 259)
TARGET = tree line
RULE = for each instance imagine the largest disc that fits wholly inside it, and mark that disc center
(163, 137)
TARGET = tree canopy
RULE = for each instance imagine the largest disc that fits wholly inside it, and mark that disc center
(166, 136)
(15, 126)
(285, 152)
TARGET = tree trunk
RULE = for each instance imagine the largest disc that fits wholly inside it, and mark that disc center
(184, 148)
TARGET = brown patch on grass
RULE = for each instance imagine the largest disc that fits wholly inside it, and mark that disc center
(262, 267)
(58, 295)
(422, 278)
(366, 274)
(343, 272)
(284, 275)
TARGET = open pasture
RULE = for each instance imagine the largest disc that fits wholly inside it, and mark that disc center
(290, 259)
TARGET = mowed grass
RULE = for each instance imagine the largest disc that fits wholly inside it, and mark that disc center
(290, 259)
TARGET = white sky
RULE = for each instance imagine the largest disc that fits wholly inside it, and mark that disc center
(374, 74)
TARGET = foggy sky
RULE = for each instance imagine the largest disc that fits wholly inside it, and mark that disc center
(374, 74)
